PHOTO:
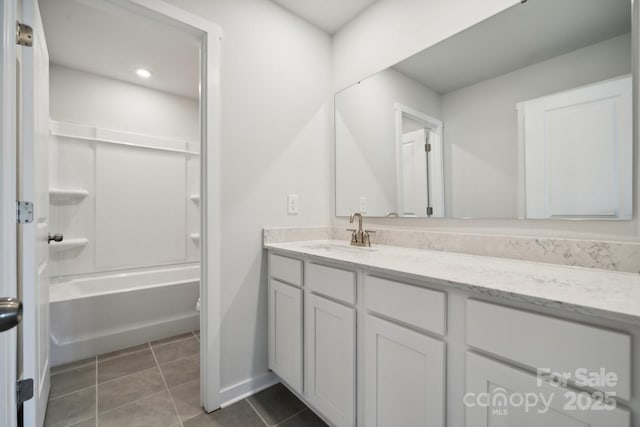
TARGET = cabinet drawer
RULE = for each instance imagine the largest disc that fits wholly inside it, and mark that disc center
(416, 306)
(286, 269)
(543, 342)
(332, 282)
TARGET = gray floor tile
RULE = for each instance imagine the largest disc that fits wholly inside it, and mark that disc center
(276, 404)
(129, 389)
(73, 380)
(171, 339)
(181, 371)
(153, 411)
(177, 350)
(72, 408)
(236, 415)
(73, 365)
(88, 423)
(304, 419)
(111, 369)
(124, 351)
(187, 399)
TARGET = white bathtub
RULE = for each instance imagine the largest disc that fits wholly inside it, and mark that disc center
(102, 313)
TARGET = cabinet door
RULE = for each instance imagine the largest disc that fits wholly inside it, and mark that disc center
(330, 359)
(499, 395)
(404, 377)
(285, 333)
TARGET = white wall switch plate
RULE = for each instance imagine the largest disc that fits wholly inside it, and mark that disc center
(292, 204)
(363, 205)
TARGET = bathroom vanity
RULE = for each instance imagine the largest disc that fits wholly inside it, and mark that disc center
(391, 336)
(499, 121)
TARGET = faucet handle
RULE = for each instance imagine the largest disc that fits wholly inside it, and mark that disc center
(366, 237)
(354, 235)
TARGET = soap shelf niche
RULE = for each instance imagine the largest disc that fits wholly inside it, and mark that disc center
(58, 194)
(69, 244)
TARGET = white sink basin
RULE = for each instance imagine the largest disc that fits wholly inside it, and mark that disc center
(340, 247)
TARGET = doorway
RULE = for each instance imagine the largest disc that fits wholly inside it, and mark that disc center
(419, 164)
(207, 36)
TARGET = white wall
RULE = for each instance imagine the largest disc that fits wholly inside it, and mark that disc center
(481, 125)
(366, 131)
(275, 141)
(392, 30)
(90, 99)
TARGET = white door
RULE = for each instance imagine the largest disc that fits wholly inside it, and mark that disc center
(415, 193)
(404, 377)
(32, 237)
(578, 152)
(285, 333)
(435, 161)
(8, 263)
(499, 395)
(330, 359)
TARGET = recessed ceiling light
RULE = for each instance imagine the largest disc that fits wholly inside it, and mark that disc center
(143, 73)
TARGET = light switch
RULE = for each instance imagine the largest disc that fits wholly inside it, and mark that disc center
(292, 204)
(363, 205)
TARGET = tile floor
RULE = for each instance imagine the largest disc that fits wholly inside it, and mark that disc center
(157, 385)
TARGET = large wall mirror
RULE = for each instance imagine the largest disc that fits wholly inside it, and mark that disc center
(525, 115)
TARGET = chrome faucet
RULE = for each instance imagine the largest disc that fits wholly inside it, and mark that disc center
(359, 237)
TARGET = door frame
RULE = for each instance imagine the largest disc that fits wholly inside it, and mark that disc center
(8, 197)
(210, 35)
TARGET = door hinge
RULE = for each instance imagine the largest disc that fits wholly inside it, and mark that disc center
(429, 211)
(24, 390)
(427, 147)
(24, 35)
(24, 212)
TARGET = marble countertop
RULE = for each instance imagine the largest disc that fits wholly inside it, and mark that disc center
(609, 294)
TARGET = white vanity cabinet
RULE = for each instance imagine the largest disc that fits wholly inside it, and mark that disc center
(404, 369)
(285, 333)
(404, 377)
(285, 320)
(330, 359)
(330, 342)
(312, 334)
(500, 395)
(367, 347)
(543, 342)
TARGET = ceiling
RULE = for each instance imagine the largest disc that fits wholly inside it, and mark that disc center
(518, 37)
(99, 38)
(328, 15)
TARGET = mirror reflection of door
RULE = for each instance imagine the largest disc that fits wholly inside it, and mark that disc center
(577, 148)
(415, 189)
(419, 164)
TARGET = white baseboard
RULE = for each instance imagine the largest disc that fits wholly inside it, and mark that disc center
(244, 389)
